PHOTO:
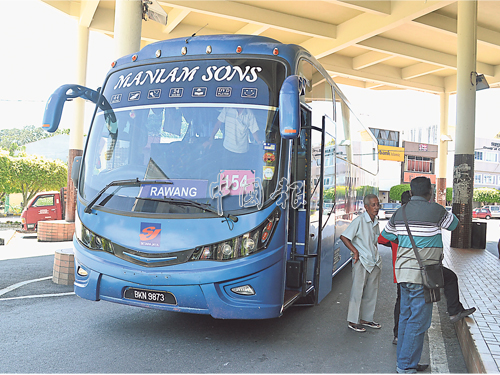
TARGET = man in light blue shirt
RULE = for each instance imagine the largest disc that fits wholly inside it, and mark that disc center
(360, 238)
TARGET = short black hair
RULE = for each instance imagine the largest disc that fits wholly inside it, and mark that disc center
(405, 197)
(421, 186)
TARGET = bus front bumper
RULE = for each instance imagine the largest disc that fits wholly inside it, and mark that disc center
(187, 290)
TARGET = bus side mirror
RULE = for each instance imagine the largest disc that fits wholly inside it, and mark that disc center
(55, 104)
(289, 107)
(75, 170)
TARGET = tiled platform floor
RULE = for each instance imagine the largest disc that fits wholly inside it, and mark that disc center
(478, 274)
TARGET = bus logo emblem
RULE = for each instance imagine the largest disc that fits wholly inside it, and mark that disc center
(149, 235)
(223, 92)
(134, 95)
(154, 94)
(249, 93)
(176, 92)
(199, 92)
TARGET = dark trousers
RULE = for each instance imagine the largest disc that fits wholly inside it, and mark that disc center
(450, 292)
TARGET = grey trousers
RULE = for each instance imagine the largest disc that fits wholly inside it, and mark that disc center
(364, 293)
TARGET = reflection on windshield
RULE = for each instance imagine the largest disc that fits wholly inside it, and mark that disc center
(212, 154)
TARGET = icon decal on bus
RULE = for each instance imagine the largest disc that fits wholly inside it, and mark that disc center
(117, 98)
(199, 92)
(249, 93)
(134, 95)
(149, 235)
(223, 92)
(267, 172)
(270, 146)
(154, 94)
(269, 157)
(176, 92)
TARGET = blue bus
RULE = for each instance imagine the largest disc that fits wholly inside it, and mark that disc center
(218, 175)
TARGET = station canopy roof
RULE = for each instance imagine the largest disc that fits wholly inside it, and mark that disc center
(379, 45)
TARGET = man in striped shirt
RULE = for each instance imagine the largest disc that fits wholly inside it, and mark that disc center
(239, 123)
(426, 220)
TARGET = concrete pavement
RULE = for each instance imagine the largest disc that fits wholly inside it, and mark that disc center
(478, 274)
(479, 280)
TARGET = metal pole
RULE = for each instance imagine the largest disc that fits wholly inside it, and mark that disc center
(463, 170)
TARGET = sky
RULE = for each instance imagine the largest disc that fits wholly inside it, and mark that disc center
(39, 55)
(39, 44)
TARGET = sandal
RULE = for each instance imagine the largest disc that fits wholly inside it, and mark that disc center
(356, 327)
(372, 325)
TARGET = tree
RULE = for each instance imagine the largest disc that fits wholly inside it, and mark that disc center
(32, 174)
(6, 186)
(397, 190)
(449, 194)
(486, 195)
(329, 194)
(13, 139)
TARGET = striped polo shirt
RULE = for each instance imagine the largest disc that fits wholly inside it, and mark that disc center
(426, 220)
(237, 126)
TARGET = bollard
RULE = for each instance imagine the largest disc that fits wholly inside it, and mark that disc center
(64, 267)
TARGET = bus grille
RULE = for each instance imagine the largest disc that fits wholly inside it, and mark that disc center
(152, 259)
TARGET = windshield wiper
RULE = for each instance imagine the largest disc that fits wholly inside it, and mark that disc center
(191, 203)
(120, 183)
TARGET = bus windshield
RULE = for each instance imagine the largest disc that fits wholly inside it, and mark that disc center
(222, 152)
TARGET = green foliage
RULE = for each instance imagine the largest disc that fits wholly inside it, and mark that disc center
(449, 194)
(486, 195)
(14, 139)
(397, 190)
(6, 186)
(29, 175)
(329, 194)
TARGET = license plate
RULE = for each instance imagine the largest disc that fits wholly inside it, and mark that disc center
(154, 296)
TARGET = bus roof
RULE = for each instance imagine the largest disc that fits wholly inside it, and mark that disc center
(207, 46)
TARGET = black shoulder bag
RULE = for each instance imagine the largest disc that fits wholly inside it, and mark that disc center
(432, 275)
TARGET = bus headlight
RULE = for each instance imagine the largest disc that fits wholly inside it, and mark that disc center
(241, 246)
(91, 240)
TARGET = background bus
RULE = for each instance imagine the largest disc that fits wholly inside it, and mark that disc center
(217, 178)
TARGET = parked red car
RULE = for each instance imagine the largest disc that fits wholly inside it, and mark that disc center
(481, 213)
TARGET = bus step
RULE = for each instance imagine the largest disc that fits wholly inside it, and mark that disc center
(290, 297)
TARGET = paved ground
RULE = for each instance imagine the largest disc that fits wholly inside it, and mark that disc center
(479, 280)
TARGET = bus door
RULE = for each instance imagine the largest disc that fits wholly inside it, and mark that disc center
(300, 268)
(323, 220)
(312, 225)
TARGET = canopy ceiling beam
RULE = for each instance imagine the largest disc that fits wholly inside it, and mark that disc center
(382, 74)
(448, 25)
(367, 25)
(87, 11)
(375, 7)
(252, 29)
(175, 17)
(419, 69)
(421, 54)
(252, 14)
(369, 58)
